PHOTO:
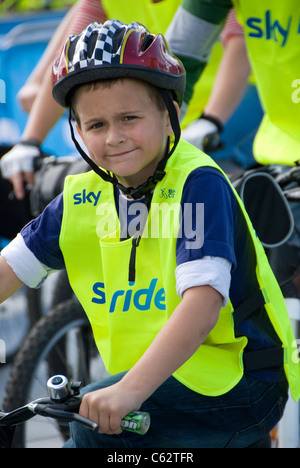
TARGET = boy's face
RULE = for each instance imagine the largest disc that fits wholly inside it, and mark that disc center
(123, 129)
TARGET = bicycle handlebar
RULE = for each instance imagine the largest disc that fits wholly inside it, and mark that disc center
(63, 404)
(291, 175)
(292, 194)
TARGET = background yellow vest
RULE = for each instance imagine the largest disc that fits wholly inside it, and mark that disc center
(272, 32)
(126, 317)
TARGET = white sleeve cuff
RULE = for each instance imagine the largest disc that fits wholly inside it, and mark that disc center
(24, 263)
(210, 271)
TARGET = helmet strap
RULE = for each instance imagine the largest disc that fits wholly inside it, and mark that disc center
(105, 175)
(174, 121)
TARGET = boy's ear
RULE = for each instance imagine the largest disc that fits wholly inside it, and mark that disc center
(170, 130)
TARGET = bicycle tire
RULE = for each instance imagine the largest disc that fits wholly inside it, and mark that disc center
(43, 339)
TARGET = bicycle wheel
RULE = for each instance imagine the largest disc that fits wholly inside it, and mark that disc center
(60, 343)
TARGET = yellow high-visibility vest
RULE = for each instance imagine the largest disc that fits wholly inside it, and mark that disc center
(272, 31)
(125, 316)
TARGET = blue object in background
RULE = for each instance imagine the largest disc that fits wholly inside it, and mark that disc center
(3, 243)
(23, 39)
(240, 130)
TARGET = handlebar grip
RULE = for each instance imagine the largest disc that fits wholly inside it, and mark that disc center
(293, 194)
(292, 175)
(136, 421)
(63, 416)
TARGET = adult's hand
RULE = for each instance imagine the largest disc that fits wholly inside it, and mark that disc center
(18, 165)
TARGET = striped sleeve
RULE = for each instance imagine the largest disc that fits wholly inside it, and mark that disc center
(192, 33)
(232, 28)
(82, 14)
(88, 11)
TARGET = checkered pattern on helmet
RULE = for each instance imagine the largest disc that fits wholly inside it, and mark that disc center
(84, 52)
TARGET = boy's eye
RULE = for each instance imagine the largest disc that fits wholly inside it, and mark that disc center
(97, 125)
(128, 118)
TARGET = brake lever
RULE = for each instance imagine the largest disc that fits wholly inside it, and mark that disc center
(62, 415)
(19, 415)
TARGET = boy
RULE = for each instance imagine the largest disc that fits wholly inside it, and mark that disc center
(158, 303)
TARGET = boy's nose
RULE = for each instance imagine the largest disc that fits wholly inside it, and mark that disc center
(115, 136)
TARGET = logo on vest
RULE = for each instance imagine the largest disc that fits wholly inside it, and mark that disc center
(82, 198)
(296, 93)
(122, 300)
(270, 28)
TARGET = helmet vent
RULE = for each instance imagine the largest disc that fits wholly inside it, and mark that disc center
(91, 44)
(148, 39)
(117, 41)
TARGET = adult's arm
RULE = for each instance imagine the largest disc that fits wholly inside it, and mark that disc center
(192, 33)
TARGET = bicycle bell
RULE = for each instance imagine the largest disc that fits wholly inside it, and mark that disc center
(58, 388)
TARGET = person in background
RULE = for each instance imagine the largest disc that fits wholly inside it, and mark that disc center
(229, 88)
(272, 41)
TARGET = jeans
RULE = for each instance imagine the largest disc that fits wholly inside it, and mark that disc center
(181, 418)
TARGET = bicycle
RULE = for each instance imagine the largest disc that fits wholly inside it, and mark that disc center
(62, 405)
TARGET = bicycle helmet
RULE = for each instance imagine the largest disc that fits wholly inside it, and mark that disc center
(115, 50)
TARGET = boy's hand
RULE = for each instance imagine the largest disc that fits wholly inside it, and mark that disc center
(107, 407)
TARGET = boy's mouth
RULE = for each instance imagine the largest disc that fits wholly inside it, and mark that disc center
(120, 154)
